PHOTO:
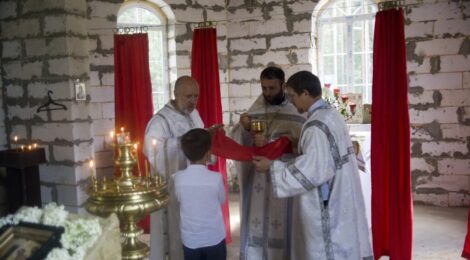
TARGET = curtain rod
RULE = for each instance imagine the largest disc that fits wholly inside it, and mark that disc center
(391, 5)
(131, 30)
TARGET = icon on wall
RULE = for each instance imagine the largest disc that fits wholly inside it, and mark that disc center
(80, 90)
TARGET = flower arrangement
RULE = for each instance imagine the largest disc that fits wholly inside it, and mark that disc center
(79, 235)
(347, 110)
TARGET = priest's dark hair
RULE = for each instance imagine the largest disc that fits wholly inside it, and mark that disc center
(272, 72)
(305, 80)
(195, 143)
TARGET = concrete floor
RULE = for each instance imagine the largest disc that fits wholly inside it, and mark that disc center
(439, 233)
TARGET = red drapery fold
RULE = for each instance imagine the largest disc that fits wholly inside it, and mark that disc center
(466, 245)
(133, 90)
(229, 149)
(205, 69)
(392, 208)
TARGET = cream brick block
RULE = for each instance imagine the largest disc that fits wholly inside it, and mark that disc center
(276, 57)
(97, 23)
(82, 130)
(247, 44)
(25, 71)
(8, 9)
(98, 143)
(466, 114)
(240, 104)
(256, 90)
(21, 28)
(454, 166)
(54, 24)
(184, 46)
(103, 9)
(225, 104)
(94, 78)
(438, 11)
(57, 46)
(272, 26)
(96, 111)
(421, 165)
(299, 40)
(424, 98)
(189, 14)
(14, 91)
(291, 69)
(424, 67)
(49, 132)
(107, 79)
(103, 126)
(455, 131)
(223, 76)
(455, 63)
(447, 115)
(436, 81)
(418, 29)
(68, 66)
(224, 90)
(19, 112)
(57, 174)
(63, 153)
(77, 46)
(106, 42)
(71, 195)
(238, 60)
(183, 61)
(244, 75)
(237, 30)
(302, 26)
(222, 46)
(47, 191)
(455, 97)
(243, 14)
(80, 111)
(303, 55)
(452, 27)
(441, 200)
(102, 94)
(239, 90)
(20, 131)
(11, 49)
(446, 182)
(60, 90)
(444, 148)
(438, 47)
(62, 115)
(302, 7)
(108, 110)
(98, 59)
(458, 199)
(466, 79)
(213, 15)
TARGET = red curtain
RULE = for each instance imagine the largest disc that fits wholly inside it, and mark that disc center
(133, 90)
(392, 208)
(466, 246)
(205, 69)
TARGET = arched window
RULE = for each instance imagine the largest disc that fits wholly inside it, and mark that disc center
(345, 31)
(137, 15)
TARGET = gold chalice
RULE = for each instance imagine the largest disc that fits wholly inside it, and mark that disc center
(258, 126)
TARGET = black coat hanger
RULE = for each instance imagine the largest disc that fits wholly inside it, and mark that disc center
(51, 104)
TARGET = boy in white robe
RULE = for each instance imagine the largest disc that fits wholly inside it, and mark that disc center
(328, 213)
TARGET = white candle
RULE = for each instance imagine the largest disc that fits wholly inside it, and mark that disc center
(93, 170)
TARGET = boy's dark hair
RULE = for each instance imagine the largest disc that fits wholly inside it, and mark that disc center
(196, 143)
(272, 72)
(305, 80)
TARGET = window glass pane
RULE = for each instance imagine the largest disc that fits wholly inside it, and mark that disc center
(358, 36)
(341, 70)
(358, 69)
(326, 39)
(341, 38)
(329, 66)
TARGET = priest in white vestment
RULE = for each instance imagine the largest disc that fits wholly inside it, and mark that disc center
(166, 127)
(265, 219)
(329, 219)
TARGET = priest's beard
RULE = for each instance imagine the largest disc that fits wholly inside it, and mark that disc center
(276, 100)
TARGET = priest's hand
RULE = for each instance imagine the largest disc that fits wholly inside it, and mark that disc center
(262, 164)
(259, 140)
(245, 121)
(214, 128)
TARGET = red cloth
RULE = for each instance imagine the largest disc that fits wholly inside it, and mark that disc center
(228, 148)
(392, 208)
(205, 69)
(466, 246)
(133, 90)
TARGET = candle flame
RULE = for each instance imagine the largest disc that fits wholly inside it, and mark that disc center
(15, 138)
(29, 147)
(136, 145)
(122, 128)
(91, 163)
(154, 142)
(35, 145)
(111, 134)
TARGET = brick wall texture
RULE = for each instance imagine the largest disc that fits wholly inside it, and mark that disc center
(47, 45)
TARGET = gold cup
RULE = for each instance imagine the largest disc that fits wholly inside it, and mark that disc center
(258, 126)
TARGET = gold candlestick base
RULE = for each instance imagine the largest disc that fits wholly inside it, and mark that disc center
(131, 198)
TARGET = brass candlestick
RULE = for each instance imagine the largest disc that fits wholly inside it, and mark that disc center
(258, 126)
(131, 198)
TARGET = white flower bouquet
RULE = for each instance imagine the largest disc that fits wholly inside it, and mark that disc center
(80, 234)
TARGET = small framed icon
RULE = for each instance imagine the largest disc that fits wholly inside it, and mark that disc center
(80, 91)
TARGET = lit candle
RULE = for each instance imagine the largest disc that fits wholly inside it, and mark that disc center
(29, 147)
(122, 129)
(136, 146)
(93, 170)
(35, 145)
(15, 142)
(154, 144)
(111, 134)
(352, 107)
(22, 147)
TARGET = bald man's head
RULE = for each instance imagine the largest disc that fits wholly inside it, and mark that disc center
(186, 94)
